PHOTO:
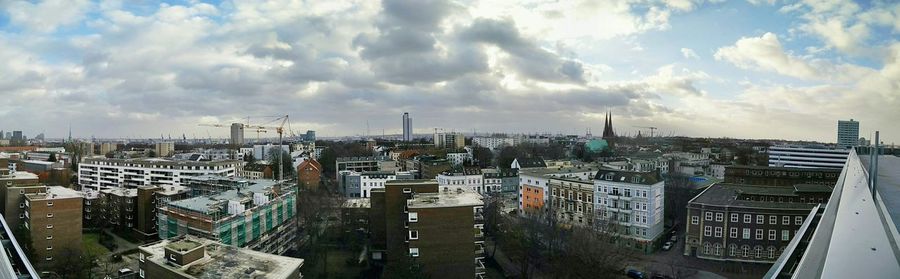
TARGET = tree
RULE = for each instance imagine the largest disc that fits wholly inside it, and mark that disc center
(250, 159)
(407, 268)
(23, 236)
(52, 157)
(286, 166)
(151, 153)
(483, 156)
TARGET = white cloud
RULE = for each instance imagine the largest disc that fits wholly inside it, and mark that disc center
(689, 53)
(765, 53)
(46, 16)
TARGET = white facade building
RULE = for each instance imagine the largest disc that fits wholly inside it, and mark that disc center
(469, 179)
(261, 152)
(847, 133)
(458, 158)
(631, 200)
(376, 179)
(494, 143)
(807, 157)
(103, 173)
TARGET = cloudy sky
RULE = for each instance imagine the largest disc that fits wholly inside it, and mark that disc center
(751, 69)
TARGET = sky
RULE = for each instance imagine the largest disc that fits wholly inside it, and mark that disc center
(704, 68)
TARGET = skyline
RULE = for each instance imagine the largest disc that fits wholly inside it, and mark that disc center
(766, 69)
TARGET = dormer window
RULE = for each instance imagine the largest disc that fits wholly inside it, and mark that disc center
(609, 176)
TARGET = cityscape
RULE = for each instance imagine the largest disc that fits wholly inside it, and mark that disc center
(552, 139)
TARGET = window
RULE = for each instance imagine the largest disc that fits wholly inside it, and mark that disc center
(772, 234)
(141, 271)
(413, 252)
(22, 205)
(720, 217)
(786, 220)
(707, 230)
(732, 233)
(413, 235)
(747, 218)
(732, 249)
(771, 251)
(785, 235)
(746, 233)
(718, 249)
(798, 220)
(706, 248)
(49, 226)
(49, 258)
(745, 251)
(413, 217)
(695, 220)
(49, 204)
(758, 251)
(718, 232)
(734, 217)
(49, 248)
(141, 257)
(773, 220)
(709, 216)
(760, 219)
(49, 215)
(759, 234)
(49, 237)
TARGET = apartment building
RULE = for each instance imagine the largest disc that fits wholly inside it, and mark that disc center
(148, 200)
(413, 218)
(572, 200)
(92, 209)
(119, 209)
(189, 257)
(309, 174)
(780, 176)
(630, 204)
(103, 173)
(469, 178)
(493, 143)
(53, 218)
(164, 149)
(748, 223)
(534, 183)
(258, 215)
(449, 140)
(458, 158)
(361, 184)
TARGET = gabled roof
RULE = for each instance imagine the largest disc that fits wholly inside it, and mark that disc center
(256, 167)
(633, 177)
(310, 163)
(534, 162)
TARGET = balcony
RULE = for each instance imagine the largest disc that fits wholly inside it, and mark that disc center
(479, 218)
(479, 235)
(479, 249)
(479, 267)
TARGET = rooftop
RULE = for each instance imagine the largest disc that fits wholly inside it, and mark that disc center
(55, 192)
(158, 161)
(19, 175)
(727, 194)
(222, 261)
(634, 177)
(203, 203)
(451, 198)
(122, 192)
(357, 203)
(365, 158)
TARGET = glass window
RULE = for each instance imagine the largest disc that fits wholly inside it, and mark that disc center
(746, 233)
(785, 235)
(709, 216)
(720, 217)
(798, 220)
(734, 217)
(707, 230)
(760, 219)
(747, 218)
(695, 220)
(733, 233)
(718, 231)
(773, 220)
(786, 220)
(759, 234)
(772, 234)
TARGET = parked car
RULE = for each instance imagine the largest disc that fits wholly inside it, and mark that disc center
(667, 246)
(634, 274)
(673, 239)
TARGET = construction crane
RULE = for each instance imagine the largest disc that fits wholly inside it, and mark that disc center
(242, 126)
(652, 129)
(263, 129)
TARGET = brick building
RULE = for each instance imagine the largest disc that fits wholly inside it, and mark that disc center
(412, 219)
(748, 223)
(53, 217)
(309, 173)
(149, 198)
(118, 210)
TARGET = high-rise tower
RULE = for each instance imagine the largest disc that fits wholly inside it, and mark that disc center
(407, 127)
(847, 133)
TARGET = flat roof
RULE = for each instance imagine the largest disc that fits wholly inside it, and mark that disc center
(119, 191)
(726, 194)
(222, 261)
(888, 186)
(55, 192)
(445, 199)
(203, 203)
(357, 203)
(19, 175)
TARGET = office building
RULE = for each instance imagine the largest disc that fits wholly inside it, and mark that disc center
(855, 234)
(164, 149)
(15, 262)
(362, 164)
(237, 134)
(103, 173)
(148, 200)
(53, 218)
(259, 215)
(748, 223)
(414, 219)
(407, 127)
(807, 157)
(451, 140)
(310, 136)
(189, 257)
(847, 133)
(631, 204)
(780, 176)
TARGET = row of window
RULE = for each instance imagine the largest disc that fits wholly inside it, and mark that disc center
(733, 233)
(716, 249)
(748, 218)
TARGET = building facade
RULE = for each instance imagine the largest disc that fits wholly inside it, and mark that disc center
(451, 140)
(847, 133)
(309, 174)
(748, 223)
(191, 257)
(103, 173)
(360, 164)
(53, 218)
(631, 205)
(407, 127)
(237, 134)
(780, 176)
